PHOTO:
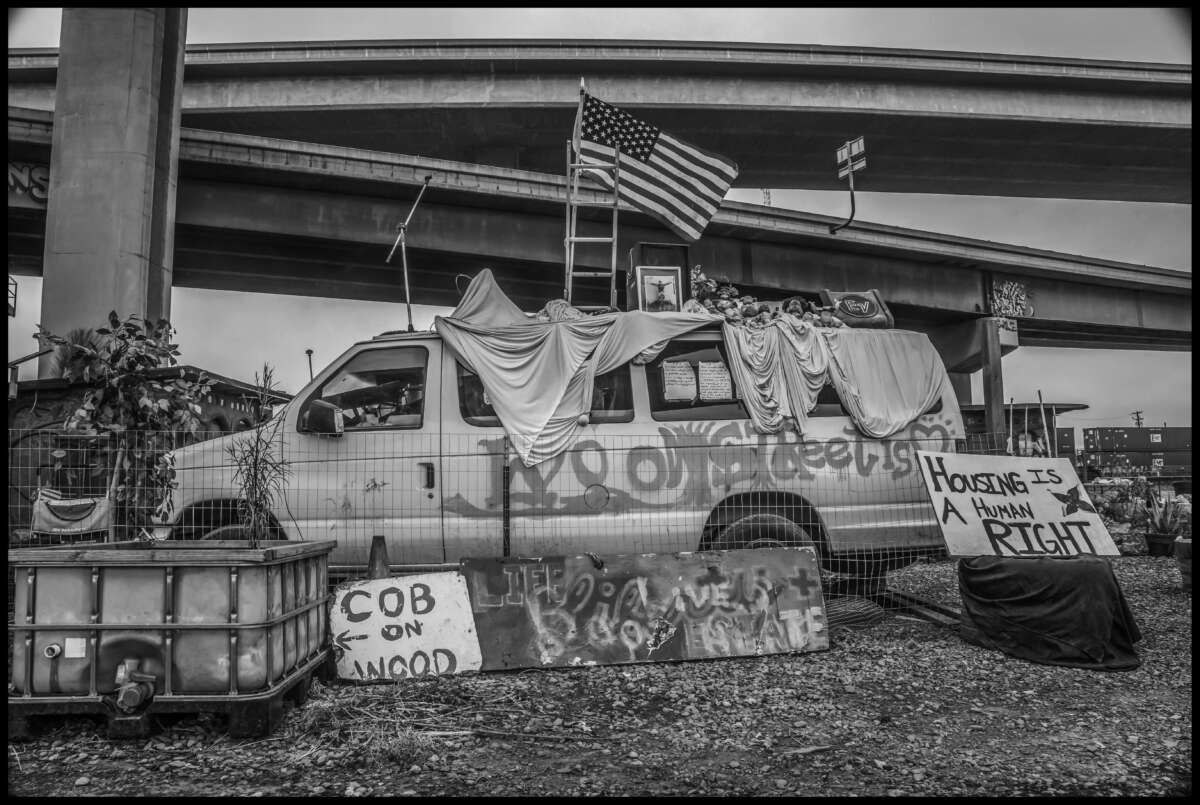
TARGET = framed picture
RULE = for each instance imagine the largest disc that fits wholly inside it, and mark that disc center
(659, 288)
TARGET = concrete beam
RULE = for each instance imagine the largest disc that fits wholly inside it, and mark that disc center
(934, 122)
(962, 345)
(242, 158)
(322, 218)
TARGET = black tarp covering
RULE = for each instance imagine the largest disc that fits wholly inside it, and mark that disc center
(1051, 610)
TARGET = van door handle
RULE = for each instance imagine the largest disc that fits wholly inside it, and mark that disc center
(428, 466)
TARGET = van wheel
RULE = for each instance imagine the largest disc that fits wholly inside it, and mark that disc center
(229, 531)
(237, 531)
(763, 531)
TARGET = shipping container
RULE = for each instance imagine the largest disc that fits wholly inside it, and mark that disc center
(1105, 440)
(1177, 438)
(1142, 460)
(1064, 442)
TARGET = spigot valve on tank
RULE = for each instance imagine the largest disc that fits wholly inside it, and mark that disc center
(134, 688)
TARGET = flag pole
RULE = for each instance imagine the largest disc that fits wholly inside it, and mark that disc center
(402, 242)
(579, 115)
(572, 188)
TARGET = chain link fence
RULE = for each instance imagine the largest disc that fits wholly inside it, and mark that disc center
(437, 497)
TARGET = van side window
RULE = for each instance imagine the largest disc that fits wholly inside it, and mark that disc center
(380, 388)
(690, 380)
(612, 398)
(828, 403)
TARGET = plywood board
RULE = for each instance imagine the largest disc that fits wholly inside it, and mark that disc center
(589, 610)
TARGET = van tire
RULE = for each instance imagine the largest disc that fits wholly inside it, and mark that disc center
(763, 531)
(226, 531)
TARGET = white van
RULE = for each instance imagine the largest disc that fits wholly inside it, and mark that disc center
(421, 459)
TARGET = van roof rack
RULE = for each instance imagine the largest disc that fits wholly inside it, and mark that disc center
(391, 333)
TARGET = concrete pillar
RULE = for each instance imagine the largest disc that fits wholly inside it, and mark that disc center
(961, 383)
(110, 216)
(993, 377)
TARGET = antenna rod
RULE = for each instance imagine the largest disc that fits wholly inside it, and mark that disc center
(402, 242)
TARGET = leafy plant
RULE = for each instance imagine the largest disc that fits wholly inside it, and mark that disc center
(1125, 502)
(1168, 515)
(79, 357)
(261, 469)
(138, 417)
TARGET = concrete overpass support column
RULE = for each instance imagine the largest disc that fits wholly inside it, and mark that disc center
(110, 217)
(993, 377)
(961, 381)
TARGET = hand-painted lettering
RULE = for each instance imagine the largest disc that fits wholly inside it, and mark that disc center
(625, 614)
(693, 465)
(355, 617)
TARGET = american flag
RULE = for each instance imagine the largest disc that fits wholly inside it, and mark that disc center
(661, 175)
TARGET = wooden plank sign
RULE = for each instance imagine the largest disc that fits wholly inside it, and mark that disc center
(402, 627)
(1012, 506)
(589, 610)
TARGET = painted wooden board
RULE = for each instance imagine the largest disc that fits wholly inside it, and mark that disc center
(603, 610)
(403, 627)
(1012, 506)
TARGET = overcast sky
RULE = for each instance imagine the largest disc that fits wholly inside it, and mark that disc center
(1113, 383)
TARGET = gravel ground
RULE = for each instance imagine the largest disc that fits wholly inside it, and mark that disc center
(899, 708)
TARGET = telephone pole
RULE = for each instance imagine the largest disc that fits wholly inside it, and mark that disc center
(1137, 418)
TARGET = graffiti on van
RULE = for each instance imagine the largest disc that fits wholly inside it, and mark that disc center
(693, 465)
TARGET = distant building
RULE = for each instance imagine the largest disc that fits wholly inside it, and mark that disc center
(1023, 424)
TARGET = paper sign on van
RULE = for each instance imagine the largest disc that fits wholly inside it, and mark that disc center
(679, 381)
(1012, 506)
(715, 383)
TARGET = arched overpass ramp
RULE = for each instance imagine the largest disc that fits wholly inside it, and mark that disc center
(280, 216)
(935, 122)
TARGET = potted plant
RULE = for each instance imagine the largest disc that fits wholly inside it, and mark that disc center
(261, 469)
(1166, 519)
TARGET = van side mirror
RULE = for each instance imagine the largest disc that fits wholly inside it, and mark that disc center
(322, 417)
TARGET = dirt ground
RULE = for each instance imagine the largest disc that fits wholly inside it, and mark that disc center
(900, 708)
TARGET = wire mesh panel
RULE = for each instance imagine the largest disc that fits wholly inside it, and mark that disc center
(440, 491)
(66, 486)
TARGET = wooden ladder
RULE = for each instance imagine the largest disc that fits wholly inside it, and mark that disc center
(574, 169)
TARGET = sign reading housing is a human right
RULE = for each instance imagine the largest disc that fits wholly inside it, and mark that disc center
(1012, 506)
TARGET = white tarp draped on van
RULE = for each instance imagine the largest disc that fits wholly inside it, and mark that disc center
(884, 378)
(779, 370)
(538, 374)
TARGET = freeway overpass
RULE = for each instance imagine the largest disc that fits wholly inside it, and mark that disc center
(281, 216)
(935, 122)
